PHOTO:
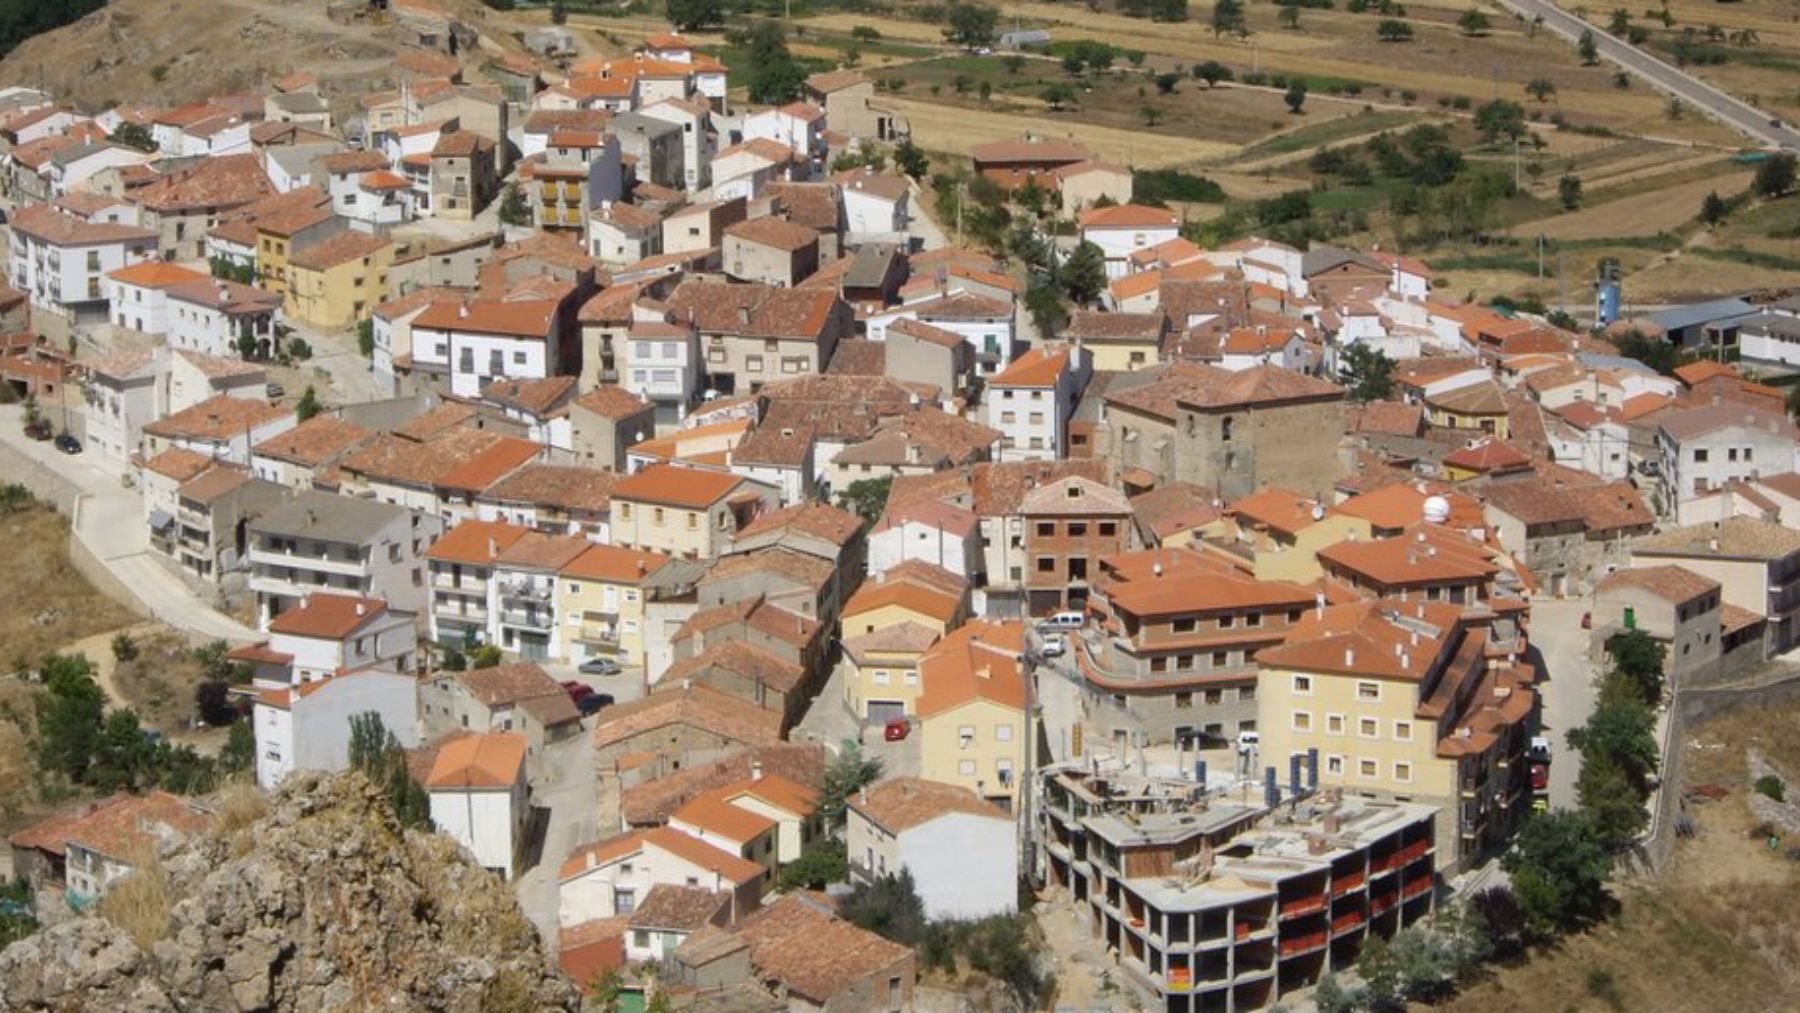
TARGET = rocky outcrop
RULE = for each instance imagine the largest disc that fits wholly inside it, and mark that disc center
(324, 904)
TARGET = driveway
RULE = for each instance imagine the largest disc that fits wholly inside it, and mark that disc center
(829, 722)
(569, 793)
(1568, 688)
(109, 520)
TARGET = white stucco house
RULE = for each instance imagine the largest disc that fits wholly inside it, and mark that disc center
(479, 797)
(1123, 229)
(962, 851)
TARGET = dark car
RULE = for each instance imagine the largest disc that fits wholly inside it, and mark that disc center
(38, 430)
(598, 666)
(593, 702)
(67, 443)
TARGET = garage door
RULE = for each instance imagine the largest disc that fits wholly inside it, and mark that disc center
(883, 711)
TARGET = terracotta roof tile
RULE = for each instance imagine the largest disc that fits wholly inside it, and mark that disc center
(492, 760)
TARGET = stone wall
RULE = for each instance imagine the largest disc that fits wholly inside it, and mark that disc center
(66, 498)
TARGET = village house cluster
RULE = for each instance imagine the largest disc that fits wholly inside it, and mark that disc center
(724, 458)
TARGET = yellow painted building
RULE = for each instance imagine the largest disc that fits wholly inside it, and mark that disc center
(972, 721)
(882, 671)
(1476, 407)
(1298, 561)
(600, 602)
(1285, 531)
(878, 605)
(336, 282)
(1402, 705)
(686, 512)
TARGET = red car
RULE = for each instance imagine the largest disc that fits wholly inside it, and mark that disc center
(577, 690)
(896, 729)
(1540, 777)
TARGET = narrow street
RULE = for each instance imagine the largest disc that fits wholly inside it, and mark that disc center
(569, 791)
(109, 520)
(1568, 688)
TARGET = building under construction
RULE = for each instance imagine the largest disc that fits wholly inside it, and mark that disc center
(1213, 901)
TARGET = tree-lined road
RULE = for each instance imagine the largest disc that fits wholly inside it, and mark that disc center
(1726, 108)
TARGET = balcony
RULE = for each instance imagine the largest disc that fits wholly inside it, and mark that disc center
(264, 556)
(443, 580)
(1302, 906)
(1417, 886)
(1399, 858)
(535, 619)
(605, 638)
(1293, 946)
(460, 610)
(1346, 883)
(1347, 922)
(525, 591)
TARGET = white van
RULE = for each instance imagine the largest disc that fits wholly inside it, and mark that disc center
(1064, 621)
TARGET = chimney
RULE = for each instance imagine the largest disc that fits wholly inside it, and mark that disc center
(361, 608)
(1349, 657)
(756, 770)
(462, 309)
(493, 547)
(743, 316)
(304, 602)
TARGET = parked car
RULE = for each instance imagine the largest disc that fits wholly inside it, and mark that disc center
(1063, 621)
(1587, 620)
(593, 702)
(1540, 777)
(896, 729)
(1247, 742)
(67, 443)
(38, 430)
(577, 689)
(275, 390)
(1055, 646)
(598, 666)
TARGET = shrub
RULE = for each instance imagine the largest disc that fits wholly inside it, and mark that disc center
(1770, 785)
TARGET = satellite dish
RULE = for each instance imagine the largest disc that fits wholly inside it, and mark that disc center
(1437, 509)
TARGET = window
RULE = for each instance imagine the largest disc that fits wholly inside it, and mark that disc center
(1367, 768)
(1403, 731)
(1077, 529)
(1046, 529)
(1109, 529)
(966, 768)
(1368, 691)
(1003, 733)
(1227, 622)
(1046, 564)
(1334, 765)
(1303, 721)
(1303, 685)
(1334, 724)
(1700, 455)
(624, 901)
(1220, 659)
(1368, 728)
(1403, 772)
(1184, 701)
(1246, 694)
(1182, 625)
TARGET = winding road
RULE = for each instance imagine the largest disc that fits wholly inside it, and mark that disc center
(1666, 77)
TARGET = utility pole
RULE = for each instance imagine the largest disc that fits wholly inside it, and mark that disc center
(959, 213)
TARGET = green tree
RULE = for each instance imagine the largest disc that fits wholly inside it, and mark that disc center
(822, 863)
(1474, 22)
(1587, 48)
(239, 752)
(69, 715)
(1638, 659)
(1622, 729)
(1500, 118)
(848, 773)
(689, 15)
(889, 907)
(559, 12)
(867, 497)
(1083, 275)
(1366, 373)
(1044, 302)
(1775, 176)
(124, 647)
(514, 208)
(1228, 18)
(1013, 63)
(123, 758)
(1568, 191)
(134, 135)
(971, 25)
(212, 700)
(1620, 23)
(1295, 97)
(1713, 210)
(378, 756)
(1150, 115)
(1166, 82)
(308, 405)
(1332, 997)
(1057, 94)
(910, 159)
(604, 991)
(775, 76)
(1212, 72)
(1540, 88)
(365, 337)
(1559, 866)
(1393, 30)
(1611, 801)
(1289, 16)
(985, 90)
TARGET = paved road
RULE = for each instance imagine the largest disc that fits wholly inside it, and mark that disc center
(1568, 691)
(569, 790)
(1726, 108)
(109, 520)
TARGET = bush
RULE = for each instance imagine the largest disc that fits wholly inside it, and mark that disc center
(124, 648)
(1771, 786)
(822, 863)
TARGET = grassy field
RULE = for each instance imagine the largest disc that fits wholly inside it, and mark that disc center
(937, 130)
(44, 603)
(1663, 209)
(1714, 933)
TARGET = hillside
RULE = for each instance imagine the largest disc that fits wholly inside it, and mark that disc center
(323, 903)
(173, 51)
